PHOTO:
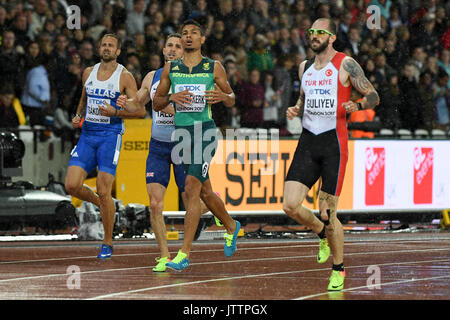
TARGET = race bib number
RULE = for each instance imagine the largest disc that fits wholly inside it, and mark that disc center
(163, 119)
(93, 110)
(199, 98)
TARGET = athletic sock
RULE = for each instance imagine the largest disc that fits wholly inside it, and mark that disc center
(322, 234)
(338, 267)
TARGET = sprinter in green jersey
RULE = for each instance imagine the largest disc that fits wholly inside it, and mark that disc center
(195, 83)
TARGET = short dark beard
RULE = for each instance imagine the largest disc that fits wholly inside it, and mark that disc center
(322, 47)
(111, 58)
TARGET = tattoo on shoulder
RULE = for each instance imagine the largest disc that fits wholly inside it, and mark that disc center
(358, 79)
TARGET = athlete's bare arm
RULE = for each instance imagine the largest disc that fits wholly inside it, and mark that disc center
(129, 87)
(353, 72)
(223, 92)
(82, 103)
(162, 97)
(299, 107)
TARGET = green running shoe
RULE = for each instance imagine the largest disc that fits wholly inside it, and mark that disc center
(324, 251)
(336, 281)
(218, 222)
(161, 266)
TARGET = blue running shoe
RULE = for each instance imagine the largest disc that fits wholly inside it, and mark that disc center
(230, 241)
(105, 252)
(179, 263)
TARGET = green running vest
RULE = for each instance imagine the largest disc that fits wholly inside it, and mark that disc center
(200, 79)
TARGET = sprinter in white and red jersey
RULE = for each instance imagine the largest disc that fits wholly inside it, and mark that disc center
(326, 83)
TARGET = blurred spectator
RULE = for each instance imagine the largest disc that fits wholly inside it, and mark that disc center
(441, 98)
(239, 12)
(59, 69)
(98, 30)
(259, 16)
(418, 60)
(38, 18)
(75, 79)
(283, 84)
(353, 41)
(393, 55)
(31, 54)
(11, 62)
(260, 57)
(200, 10)
(426, 36)
(394, 20)
(284, 44)
(217, 40)
(383, 70)
(36, 94)
(135, 18)
(390, 104)
(87, 54)
(20, 29)
(272, 102)
(134, 66)
(174, 18)
(3, 19)
(384, 6)
(235, 80)
(251, 100)
(444, 63)
(426, 97)
(410, 107)
(11, 113)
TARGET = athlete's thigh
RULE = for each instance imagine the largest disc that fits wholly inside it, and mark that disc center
(75, 176)
(333, 172)
(158, 164)
(305, 168)
(108, 153)
(180, 176)
(84, 154)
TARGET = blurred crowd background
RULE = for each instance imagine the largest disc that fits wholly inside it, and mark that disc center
(260, 43)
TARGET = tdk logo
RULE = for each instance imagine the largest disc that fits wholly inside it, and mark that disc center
(191, 87)
(320, 91)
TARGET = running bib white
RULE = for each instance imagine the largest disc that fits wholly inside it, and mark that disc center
(93, 110)
(199, 98)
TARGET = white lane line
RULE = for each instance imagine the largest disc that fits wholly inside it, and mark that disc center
(398, 242)
(222, 262)
(374, 290)
(107, 296)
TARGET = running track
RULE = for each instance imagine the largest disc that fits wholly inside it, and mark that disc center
(411, 266)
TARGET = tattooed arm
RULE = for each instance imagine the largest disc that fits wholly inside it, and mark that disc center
(298, 109)
(354, 73)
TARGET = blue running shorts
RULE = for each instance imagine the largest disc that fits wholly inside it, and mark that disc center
(97, 149)
(158, 165)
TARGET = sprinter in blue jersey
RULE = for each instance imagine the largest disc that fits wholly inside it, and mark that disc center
(100, 142)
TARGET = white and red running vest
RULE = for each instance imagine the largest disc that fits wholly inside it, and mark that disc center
(324, 95)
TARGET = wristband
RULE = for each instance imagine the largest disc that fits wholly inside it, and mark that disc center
(115, 114)
(360, 107)
(168, 98)
(78, 115)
